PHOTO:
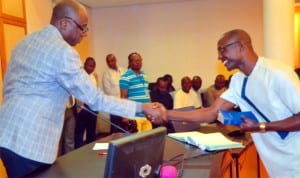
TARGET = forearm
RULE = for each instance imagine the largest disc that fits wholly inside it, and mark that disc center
(197, 115)
(289, 124)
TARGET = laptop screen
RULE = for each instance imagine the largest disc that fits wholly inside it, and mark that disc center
(136, 155)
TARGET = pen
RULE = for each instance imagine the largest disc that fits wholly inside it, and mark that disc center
(102, 153)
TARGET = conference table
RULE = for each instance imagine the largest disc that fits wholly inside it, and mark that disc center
(88, 163)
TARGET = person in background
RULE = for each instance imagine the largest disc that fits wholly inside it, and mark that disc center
(185, 96)
(171, 88)
(43, 71)
(134, 86)
(110, 83)
(297, 70)
(196, 86)
(214, 91)
(162, 95)
(268, 88)
(87, 119)
(67, 138)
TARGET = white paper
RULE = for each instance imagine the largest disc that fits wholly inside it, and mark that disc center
(208, 141)
(100, 146)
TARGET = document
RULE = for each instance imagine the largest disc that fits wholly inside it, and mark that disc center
(206, 141)
(234, 117)
(100, 146)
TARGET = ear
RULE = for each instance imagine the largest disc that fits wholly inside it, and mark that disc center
(242, 46)
(63, 24)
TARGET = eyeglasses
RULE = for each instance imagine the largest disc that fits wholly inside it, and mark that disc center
(83, 29)
(221, 49)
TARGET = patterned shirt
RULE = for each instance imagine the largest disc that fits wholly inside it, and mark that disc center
(43, 71)
(137, 87)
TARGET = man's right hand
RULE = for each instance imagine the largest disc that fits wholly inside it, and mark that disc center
(155, 112)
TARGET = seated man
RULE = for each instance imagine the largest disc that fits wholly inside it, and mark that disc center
(196, 86)
(214, 91)
(161, 94)
(185, 96)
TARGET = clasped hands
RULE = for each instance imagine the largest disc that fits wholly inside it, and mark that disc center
(155, 112)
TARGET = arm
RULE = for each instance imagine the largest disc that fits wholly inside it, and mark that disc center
(124, 93)
(289, 124)
(208, 114)
(287, 89)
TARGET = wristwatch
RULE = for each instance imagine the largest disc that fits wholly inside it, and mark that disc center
(262, 126)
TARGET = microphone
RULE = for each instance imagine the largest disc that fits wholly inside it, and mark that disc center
(168, 171)
(107, 121)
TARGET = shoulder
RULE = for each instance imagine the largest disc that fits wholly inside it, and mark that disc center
(275, 69)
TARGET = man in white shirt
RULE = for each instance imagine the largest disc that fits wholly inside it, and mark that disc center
(214, 91)
(185, 96)
(196, 85)
(86, 121)
(268, 88)
(110, 82)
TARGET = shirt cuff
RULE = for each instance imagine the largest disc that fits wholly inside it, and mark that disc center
(138, 107)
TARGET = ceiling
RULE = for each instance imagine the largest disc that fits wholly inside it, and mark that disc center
(111, 3)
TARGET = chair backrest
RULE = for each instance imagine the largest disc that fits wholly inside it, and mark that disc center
(227, 165)
(3, 173)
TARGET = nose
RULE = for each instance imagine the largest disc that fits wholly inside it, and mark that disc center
(83, 34)
(220, 56)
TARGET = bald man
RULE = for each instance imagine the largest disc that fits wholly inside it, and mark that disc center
(268, 88)
(43, 71)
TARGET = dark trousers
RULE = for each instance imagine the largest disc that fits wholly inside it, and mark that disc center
(118, 121)
(18, 166)
(86, 121)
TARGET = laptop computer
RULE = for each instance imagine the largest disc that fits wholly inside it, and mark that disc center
(182, 126)
(136, 155)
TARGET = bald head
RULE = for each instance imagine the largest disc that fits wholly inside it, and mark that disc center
(111, 61)
(220, 82)
(196, 82)
(71, 20)
(235, 51)
(65, 8)
(237, 35)
(186, 84)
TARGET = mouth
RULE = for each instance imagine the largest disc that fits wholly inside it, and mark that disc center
(225, 62)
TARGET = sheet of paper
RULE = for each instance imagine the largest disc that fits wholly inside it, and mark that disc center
(209, 141)
(100, 146)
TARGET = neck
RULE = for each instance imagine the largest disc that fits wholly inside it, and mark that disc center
(137, 71)
(249, 65)
(116, 69)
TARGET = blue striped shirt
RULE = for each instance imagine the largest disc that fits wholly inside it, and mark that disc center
(137, 87)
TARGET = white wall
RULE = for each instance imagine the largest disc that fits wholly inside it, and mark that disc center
(177, 38)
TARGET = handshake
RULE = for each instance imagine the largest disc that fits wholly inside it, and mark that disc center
(155, 112)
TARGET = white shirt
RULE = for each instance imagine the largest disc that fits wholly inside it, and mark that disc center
(274, 89)
(110, 81)
(182, 99)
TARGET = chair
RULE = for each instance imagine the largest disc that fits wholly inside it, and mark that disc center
(227, 165)
(3, 173)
